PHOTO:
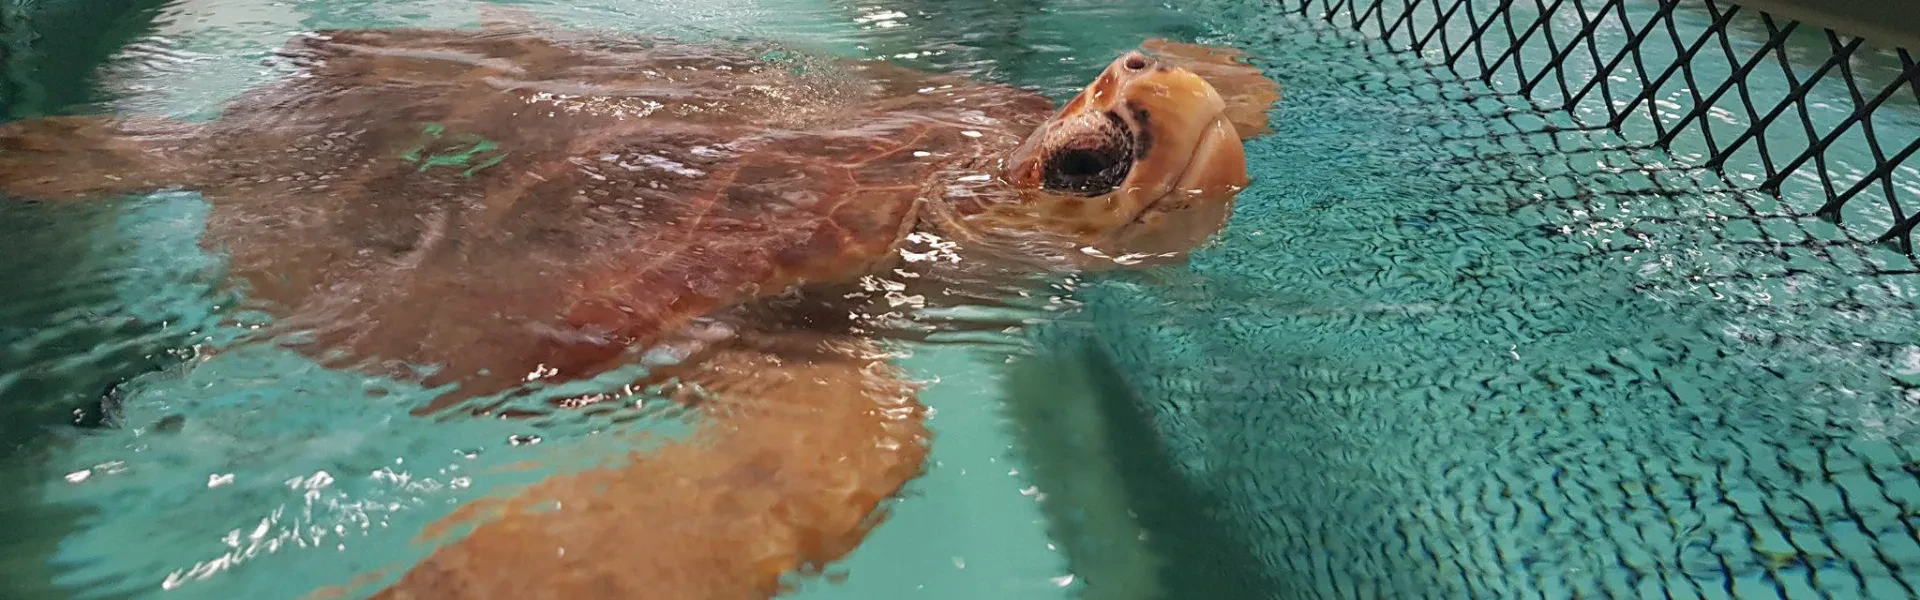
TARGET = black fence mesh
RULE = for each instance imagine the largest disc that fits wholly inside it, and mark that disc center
(1537, 299)
(1794, 111)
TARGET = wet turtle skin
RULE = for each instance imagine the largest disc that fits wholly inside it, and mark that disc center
(511, 206)
(500, 204)
(483, 200)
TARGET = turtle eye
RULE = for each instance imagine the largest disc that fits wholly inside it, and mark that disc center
(1091, 162)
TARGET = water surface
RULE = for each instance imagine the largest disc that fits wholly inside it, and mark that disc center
(1448, 347)
(1452, 347)
(165, 456)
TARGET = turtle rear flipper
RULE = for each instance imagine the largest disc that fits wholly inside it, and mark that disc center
(806, 443)
(71, 158)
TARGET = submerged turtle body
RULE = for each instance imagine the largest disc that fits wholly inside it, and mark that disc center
(506, 205)
(489, 200)
(495, 203)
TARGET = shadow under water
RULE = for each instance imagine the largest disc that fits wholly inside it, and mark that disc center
(1453, 346)
(232, 459)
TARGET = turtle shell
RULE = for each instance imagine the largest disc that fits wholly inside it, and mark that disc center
(506, 206)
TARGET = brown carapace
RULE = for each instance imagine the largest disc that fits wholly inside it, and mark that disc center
(516, 204)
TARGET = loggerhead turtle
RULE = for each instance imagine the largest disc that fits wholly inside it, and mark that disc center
(517, 206)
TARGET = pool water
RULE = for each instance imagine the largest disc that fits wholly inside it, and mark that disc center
(1452, 348)
(1441, 351)
(157, 456)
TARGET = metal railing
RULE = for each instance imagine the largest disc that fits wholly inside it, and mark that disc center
(1823, 121)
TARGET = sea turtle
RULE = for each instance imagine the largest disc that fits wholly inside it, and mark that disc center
(515, 206)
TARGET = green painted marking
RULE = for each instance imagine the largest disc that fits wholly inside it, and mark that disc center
(460, 158)
(490, 162)
(432, 131)
(456, 157)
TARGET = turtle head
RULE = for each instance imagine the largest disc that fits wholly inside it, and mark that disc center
(1142, 162)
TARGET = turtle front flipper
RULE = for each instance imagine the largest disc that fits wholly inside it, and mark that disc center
(1248, 92)
(70, 158)
(808, 439)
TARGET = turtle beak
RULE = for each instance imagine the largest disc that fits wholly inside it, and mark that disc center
(1171, 110)
(1196, 206)
(1131, 132)
(1188, 160)
(1143, 160)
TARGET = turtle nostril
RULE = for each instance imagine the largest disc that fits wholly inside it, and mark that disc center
(1136, 62)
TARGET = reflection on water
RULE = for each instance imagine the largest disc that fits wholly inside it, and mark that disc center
(385, 231)
(1502, 357)
(1430, 355)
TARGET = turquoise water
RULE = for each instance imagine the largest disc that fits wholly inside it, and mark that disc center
(156, 456)
(1447, 351)
(1440, 352)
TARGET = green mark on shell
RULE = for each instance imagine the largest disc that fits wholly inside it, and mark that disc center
(457, 155)
(488, 163)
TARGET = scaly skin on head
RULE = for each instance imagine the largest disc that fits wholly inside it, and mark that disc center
(1143, 162)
